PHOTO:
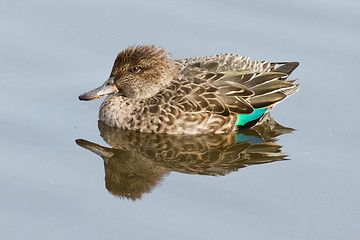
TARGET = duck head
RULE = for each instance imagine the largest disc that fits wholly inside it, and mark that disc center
(138, 72)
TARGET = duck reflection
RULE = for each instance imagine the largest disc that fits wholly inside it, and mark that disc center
(137, 162)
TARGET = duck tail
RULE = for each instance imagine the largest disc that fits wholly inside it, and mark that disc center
(290, 91)
(286, 67)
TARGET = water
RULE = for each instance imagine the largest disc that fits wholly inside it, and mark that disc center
(54, 189)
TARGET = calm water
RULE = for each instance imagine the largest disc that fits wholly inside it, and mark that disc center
(153, 187)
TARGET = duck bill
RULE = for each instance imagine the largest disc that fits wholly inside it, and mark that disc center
(103, 152)
(106, 89)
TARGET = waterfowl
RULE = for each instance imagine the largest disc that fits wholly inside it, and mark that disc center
(135, 163)
(149, 92)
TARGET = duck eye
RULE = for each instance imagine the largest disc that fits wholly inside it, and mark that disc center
(136, 69)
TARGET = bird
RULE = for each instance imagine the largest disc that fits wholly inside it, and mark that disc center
(135, 163)
(147, 91)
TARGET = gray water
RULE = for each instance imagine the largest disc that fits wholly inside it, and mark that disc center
(51, 188)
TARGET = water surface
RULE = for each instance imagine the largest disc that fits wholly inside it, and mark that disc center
(51, 51)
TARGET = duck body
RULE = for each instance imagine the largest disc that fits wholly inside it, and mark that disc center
(149, 92)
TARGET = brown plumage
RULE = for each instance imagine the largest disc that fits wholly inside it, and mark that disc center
(137, 162)
(150, 92)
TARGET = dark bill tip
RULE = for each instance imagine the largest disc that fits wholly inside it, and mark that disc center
(86, 97)
(106, 89)
(103, 152)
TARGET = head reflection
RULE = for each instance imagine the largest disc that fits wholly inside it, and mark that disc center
(137, 162)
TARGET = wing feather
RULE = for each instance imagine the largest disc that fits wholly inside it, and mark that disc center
(226, 83)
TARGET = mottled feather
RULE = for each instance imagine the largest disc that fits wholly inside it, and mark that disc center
(192, 96)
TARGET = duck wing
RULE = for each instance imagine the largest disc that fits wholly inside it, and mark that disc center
(231, 83)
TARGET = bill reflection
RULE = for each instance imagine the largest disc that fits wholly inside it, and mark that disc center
(137, 162)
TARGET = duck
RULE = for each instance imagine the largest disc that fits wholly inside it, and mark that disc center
(149, 92)
(136, 163)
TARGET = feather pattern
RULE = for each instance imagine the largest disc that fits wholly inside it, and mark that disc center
(206, 95)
